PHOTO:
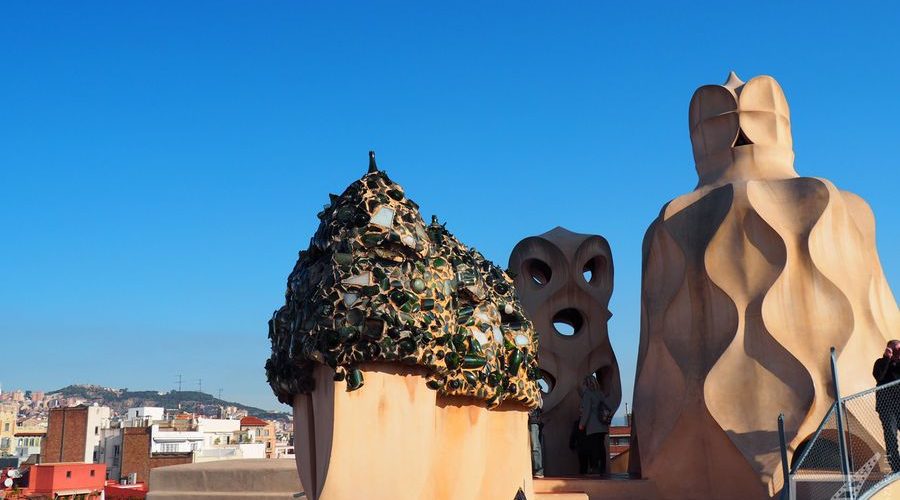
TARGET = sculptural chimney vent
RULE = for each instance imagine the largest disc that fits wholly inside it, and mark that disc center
(741, 131)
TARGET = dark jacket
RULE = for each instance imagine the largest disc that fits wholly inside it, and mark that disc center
(594, 410)
(886, 371)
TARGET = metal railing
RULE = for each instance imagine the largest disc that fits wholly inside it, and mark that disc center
(853, 453)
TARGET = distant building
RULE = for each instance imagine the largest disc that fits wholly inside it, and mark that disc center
(210, 439)
(166, 439)
(9, 412)
(284, 439)
(284, 450)
(118, 491)
(60, 401)
(30, 432)
(137, 458)
(233, 451)
(218, 431)
(66, 480)
(111, 452)
(136, 449)
(619, 447)
(73, 434)
(144, 416)
(231, 412)
(257, 430)
(32, 425)
(28, 444)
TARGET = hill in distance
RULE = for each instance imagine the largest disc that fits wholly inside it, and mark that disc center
(120, 400)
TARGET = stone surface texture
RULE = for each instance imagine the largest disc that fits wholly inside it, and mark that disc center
(567, 278)
(400, 440)
(277, 479)
(610, 488)
(245, 479)
(747, 282)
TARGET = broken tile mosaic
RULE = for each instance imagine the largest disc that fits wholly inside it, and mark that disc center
(379, 285)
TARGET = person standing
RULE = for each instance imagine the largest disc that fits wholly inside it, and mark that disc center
(536, 436)
(887, 400)
(595, 413)
(576, 441)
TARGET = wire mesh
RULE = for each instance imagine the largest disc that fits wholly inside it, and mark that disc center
(816, 467)
(870, 423)
(871, 420)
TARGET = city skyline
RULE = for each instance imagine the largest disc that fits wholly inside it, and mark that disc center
(126, 397)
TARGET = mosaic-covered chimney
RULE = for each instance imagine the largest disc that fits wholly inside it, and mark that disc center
(395, 344)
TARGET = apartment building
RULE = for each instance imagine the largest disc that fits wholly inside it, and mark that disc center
(9, 412)
(74, 434)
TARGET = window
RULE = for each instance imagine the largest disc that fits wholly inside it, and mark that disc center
(116, 450)
(96, 430)
(6, 427)
(68, 474)
(92, 473)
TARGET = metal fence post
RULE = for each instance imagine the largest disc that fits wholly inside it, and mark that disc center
(842, 441)
(785, 488)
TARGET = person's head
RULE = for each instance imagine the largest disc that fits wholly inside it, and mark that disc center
(894, 345)
(590, 383)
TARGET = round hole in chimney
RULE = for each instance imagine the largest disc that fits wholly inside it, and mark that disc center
(537, 271)
(594, 269)
(568, 322)
(546, 383)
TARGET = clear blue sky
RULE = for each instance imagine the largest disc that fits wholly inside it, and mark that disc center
(161, 163)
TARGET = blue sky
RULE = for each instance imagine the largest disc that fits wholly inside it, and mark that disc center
(161, 163)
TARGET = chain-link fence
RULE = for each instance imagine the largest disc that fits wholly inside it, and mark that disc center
(857, 462)
(816, 468)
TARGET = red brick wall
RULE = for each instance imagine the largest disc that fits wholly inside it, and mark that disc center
(136, 454)
(66, 435)
(162, 460)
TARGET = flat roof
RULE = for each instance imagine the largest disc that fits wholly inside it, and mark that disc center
(69, 464)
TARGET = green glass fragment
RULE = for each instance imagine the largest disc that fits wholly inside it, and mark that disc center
(354, 379)
(470, 361)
